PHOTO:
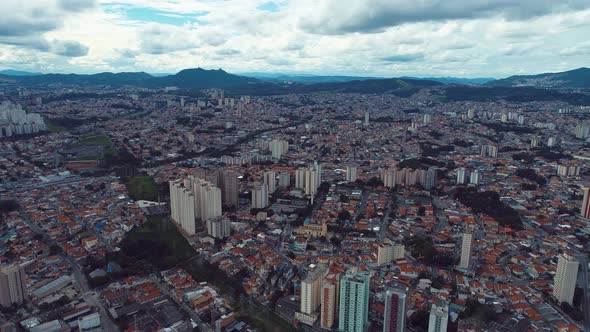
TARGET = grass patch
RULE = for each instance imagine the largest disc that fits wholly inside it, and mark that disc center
(142, 188)
(100, 139)
(54, 127)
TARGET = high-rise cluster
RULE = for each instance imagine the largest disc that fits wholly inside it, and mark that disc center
(409, 177)
(15, 121)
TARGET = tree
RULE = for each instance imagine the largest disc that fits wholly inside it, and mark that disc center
(344, 215)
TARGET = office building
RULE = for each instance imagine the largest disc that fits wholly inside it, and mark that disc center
(278, 148)
(462, 175)
(466, 245)
(439, 317)
(329, 299)
(565, 278)
(219, 227)
(394, 317)
(350, 174)
(270, 180)
(260, 196)
(284, 179)
(13, 285)
(354, 302)
(229, 185)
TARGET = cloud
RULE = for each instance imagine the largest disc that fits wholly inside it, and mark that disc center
(403, 57)
(348, 16)
(161, 39)
(77, 5)
(69, 48)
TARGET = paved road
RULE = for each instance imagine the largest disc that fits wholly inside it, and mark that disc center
(79, 278)
(164, 289)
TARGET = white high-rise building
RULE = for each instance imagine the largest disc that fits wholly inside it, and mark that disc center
(193, 199)
(16, 121)
(439, 317)
(388, 176)
(489, 151)
(462, 175)
(427, 118)
(470, 113)
(520, 119)
(260, 196)
(311, 288)
(278, 148)
(475, 177)
(552, 141)
(284, 179)
(565, 278)
(219, 227)
(300, 178)
(350, 173)
(582, 131)
(270, 180)
(354, 302)
(13, 285)
(466, 244)
(366, 119)
(394, 317)
(585, 210)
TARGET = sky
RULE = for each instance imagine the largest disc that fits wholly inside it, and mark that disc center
(386, 38)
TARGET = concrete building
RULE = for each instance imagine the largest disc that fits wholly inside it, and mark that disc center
(366, 119)
(388, 251)
(466, 245)
(219, 227)
(394, 317)
(193, 199)
(439, 317)
(13, 287)
(427, 118)
(311, 288)
(278, 148)
(388, 176)
(489, 151)
(16, 121)
(260, 196)
(566, 276)
(300, 178)
(270, 180)
(354, 302)
(284, 179)
(462, 175)
(89, 322)
(351, 173)
(585, 209)
(329, 299)
(229, 185)
(475, 177)
(582, 131)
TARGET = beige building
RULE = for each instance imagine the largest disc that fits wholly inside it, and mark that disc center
(388, 251)
(466, 245)
(12, 285)
(329, 299)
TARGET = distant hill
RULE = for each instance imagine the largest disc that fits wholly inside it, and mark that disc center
(188, 78)
(577, 78)
(304, 78)
(10, 72)
(454, 80)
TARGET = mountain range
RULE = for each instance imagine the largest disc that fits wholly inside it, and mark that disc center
(262, 83)
(577, 78)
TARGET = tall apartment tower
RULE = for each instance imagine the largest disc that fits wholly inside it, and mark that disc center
(366, 119)
(439, 317)
(270, 180)
(278, 148)
(582, 131)
(350, 173)
(489, 151)
(219, 227)
(311, 292)
(329, 298)
(354, 302)
(585, 210)
(389, 177)
(300, 178)
(284, 179)
(193, 199)
(565, 278)
(466, 245)
(260, 196)
(394, 317)
(462, 175)
(182, 207)
(475, 177)
(13, 287)
(228, 182)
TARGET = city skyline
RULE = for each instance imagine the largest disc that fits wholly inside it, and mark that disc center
(379, 38)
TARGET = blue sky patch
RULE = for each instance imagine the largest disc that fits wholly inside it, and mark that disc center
(145, 14)
(269, 7)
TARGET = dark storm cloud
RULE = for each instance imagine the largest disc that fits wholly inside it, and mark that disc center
(403, 57)
(69, 48)
(375, 15)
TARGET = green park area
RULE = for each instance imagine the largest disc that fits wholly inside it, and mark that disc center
(142, 188)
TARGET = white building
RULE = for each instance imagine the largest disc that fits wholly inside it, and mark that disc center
(439, 317)
(565, 278)
(260, 196)
(278, 148)
(466, 245)
(15, 121)
(219, 227)
(351, 173)
(270, 180)
(462, 175)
